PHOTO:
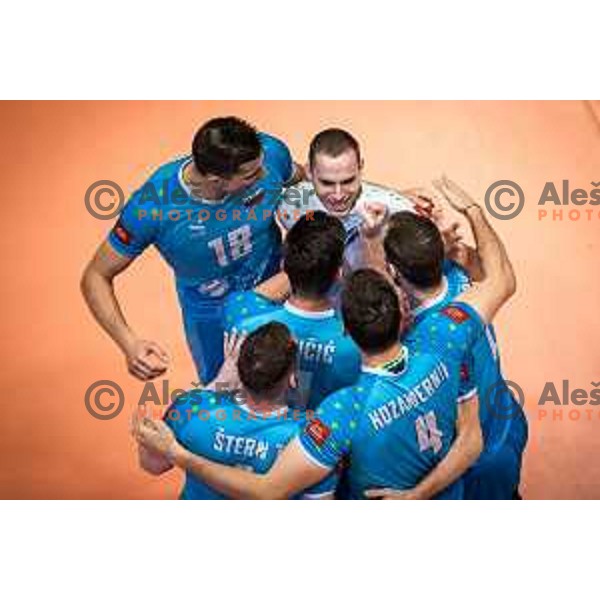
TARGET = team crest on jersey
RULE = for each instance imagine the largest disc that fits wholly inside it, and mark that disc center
(456, 314)
(122, 234)
(318, 432)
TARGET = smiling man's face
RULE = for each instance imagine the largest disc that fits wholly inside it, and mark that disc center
(337, 180)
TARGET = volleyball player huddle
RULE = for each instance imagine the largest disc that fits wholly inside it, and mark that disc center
(342, 332)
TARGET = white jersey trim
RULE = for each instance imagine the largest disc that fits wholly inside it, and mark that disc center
(188, 190)
(384, 372)
(309, 314)
(316, 496)
(265, 415)
(470, 395)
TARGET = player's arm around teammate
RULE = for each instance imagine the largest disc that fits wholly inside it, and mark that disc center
(465, 450)
(291, 473)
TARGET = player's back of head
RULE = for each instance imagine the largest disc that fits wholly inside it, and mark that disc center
(332, 142)
(223, 144)
(313, 254)
(267, 361)
(415, 249)
(371, 311)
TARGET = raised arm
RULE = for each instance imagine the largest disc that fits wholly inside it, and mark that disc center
(499, 283)
(375, 216)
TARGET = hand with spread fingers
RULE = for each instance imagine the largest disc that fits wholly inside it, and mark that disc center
(456, 196)
(229, 377)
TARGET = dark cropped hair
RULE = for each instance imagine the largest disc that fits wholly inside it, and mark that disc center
(266, 357)
(333, 142)
(414, 247)
(371, 311)
(222, 145)
(313, 253)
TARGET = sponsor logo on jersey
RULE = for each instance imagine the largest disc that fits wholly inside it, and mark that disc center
(254, 199)
(456, 314)
(318, 432)
(215, 288)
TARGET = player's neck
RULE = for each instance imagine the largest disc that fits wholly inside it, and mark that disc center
(382, 358)
(309, 304)
(422, 296)
(265, 407)
(201, 186)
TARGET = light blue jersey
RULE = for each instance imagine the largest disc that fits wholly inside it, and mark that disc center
(396, 424)
(221, 429)
(328, 358)
(496, 473)
(213, 247)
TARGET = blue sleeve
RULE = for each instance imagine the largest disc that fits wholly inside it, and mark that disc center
(240, 308)
(458, 279)
(277, 157)
(467, 387)
(183, 410)
(327, 437)
(453, 330)
(138, 226)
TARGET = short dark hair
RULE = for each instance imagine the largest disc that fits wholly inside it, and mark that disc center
(223, 144)
(266, 357)
(414, 247)
(371, 311)
(313, 253)
(332, 142)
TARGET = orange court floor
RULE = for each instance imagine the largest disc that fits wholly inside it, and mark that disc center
(52, 350)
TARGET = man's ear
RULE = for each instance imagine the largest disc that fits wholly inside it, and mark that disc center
(391, 269)
(293, 381)
(361, 166)
(308, 172)
(212, 177)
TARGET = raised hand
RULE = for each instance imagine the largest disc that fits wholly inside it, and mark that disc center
(374, 216)
(456, 196)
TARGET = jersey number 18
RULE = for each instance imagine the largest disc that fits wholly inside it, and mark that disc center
(239, 242)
